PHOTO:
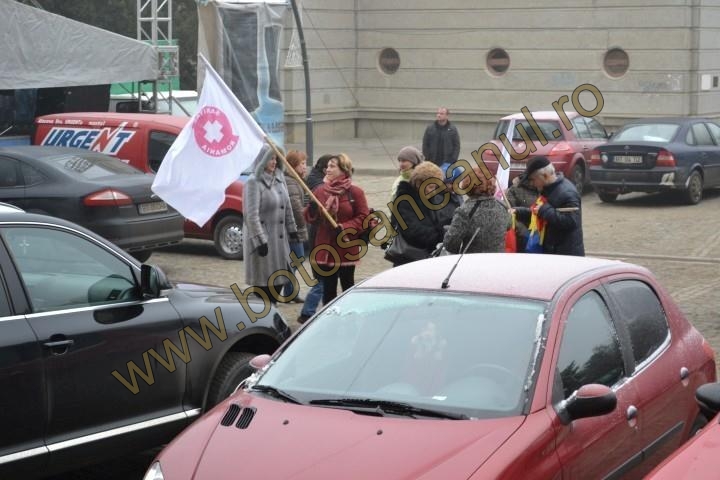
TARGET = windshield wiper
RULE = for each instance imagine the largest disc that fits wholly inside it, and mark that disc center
(275, 392)
(384, 407)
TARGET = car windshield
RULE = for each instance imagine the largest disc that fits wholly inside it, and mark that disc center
(89, 166)
(648, 132)
(547, 127)
(467, 354)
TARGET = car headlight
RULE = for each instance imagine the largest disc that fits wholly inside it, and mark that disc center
(154, 472)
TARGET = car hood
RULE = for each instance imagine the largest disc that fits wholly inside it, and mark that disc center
(213, 294)
(306, 442)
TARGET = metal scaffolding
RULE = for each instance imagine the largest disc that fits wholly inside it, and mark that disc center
(154, 26)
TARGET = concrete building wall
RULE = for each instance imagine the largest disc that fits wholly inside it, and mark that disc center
(671, 45)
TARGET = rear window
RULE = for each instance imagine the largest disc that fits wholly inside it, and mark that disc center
(89, 166)
(547, 127)
(650, 132)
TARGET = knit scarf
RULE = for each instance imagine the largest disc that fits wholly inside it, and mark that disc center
(335, 188)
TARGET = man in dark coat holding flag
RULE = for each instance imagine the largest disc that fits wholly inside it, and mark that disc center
(559, 208)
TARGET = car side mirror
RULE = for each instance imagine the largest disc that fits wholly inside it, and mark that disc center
(260, 361)
(708, 398)
(592, 400)
(610, 135)
(152, 281)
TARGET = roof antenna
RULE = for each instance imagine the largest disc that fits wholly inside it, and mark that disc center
(446, 282)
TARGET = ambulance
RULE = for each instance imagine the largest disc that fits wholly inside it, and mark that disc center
(142, 140)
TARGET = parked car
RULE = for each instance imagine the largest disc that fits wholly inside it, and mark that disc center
(95, 190)
(659, 155)
(77, 315)
(142, 140)
(575, 368)
(567, 148)
(698, 458)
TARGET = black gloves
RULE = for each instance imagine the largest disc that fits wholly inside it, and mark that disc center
(294, 237)
(262, 250)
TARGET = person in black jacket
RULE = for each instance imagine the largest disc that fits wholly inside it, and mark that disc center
(427, 232)
(441, 141)
(563, 230)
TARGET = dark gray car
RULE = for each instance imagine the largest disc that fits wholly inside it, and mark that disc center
(100, 355)
(95, 190)
(656, 155)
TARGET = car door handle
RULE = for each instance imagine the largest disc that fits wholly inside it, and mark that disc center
(632, 412)
(59, 343)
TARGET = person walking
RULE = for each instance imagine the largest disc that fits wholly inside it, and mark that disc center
(268, 225)
(296, 160)
(482, 219)
(347, 204)
(559, 207)
(441, 141)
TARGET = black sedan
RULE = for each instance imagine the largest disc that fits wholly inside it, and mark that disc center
(100, 355)
(94, 190)
(660, 154)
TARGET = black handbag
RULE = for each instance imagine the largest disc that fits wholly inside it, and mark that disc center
(400, 251)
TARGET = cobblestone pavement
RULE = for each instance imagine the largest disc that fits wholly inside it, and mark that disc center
(680, 244)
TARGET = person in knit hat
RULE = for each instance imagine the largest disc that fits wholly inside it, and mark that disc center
(408, 158)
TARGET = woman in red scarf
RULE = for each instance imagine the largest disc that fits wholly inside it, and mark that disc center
(346, 203)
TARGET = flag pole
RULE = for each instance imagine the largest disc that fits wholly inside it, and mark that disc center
(292, 171)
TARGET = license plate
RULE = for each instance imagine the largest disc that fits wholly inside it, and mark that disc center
(628, 159)
(152, 207)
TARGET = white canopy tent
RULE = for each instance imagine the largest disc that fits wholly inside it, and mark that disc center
(44, 50)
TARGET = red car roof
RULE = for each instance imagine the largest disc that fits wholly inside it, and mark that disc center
(513, 274)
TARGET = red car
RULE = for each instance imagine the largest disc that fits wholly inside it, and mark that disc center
(142, 140)
(567, 148)
(698, 459)
(505, 366)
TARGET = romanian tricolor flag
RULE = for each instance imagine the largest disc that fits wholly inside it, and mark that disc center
(536, 229)
(511, 236)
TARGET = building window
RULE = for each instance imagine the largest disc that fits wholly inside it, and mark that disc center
(389, 61)
(616, 62)
(498, 61)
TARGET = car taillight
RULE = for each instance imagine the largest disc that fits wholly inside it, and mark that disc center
(107, 198)
(595, 157)
(560, 148)
(665, 159)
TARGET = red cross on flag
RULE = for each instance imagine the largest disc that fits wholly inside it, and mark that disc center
(218, 143)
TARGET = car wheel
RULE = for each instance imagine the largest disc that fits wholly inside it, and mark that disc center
(694, 191)
(233, 369)
(228, 237)
(142, 256)
(607, 197)
(577, 176)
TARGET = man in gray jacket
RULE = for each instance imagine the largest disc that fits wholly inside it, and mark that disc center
(441, 141)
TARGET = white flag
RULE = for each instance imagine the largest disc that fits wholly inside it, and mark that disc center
(218, 143)
(503, 174)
